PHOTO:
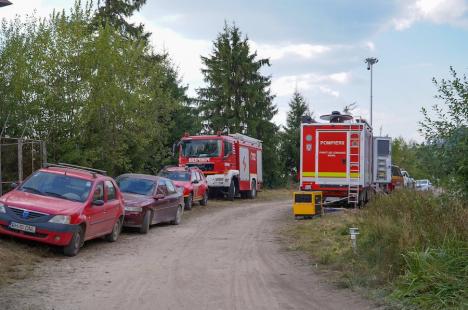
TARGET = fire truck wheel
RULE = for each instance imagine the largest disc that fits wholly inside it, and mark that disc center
(253, 191)
(188, 202)
(232, 190)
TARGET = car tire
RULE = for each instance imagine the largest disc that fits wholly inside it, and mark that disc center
(204, 200)
(114, 235)
(253, 191)
(75, 244)
(232, 191)
(178, 217)
(189, 202)
(145, 225)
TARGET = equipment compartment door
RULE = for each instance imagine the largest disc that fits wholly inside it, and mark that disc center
(244, 164)
(331, 159)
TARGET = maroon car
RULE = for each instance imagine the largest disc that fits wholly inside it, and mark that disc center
(150, 200)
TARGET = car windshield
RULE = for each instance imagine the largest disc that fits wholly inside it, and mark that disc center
(176, 175)
(138, 186)
(201, 148)
(57, 185)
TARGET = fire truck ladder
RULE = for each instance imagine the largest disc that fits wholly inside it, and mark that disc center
(354, 168)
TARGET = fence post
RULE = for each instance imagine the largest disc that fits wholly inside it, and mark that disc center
(44, 153)
(20, 160)
(1, 184)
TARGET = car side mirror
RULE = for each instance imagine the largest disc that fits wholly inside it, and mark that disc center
(13, 185)
(158, 196)
(98, 202)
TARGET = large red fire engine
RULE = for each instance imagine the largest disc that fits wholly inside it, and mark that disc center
(338, 158)
(232, 163)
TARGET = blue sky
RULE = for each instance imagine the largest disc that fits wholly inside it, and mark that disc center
(320, 46)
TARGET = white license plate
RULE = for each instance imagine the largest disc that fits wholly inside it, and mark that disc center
(23, 227)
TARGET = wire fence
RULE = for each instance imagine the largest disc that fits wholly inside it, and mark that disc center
(18, 159)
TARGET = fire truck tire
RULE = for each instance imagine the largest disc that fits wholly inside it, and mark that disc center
(253, 191)
(232, 190)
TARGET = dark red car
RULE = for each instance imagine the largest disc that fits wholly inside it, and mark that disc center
(63, 205)
(150, 200)
(192, 181)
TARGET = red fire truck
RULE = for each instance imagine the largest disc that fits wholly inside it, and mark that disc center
(337, 158)
(232, 163)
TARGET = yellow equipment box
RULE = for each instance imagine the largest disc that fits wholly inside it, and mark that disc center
(307, 204)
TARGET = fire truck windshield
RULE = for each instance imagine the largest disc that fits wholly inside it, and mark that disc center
(201, 148)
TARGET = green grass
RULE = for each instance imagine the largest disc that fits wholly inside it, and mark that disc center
(412, 247)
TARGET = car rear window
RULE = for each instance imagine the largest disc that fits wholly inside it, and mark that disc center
(136, 186)
(176, 175)
(57, 185)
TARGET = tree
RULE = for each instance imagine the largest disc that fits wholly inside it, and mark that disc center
(290, 143)
(116, 13)
(237, 97)
(447, 131)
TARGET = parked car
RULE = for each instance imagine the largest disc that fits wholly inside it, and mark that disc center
(63, 205)
(423, 185)
(150, 200)
(192, 181)
(397, 178)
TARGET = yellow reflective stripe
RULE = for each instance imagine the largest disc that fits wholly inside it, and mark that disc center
(331, 174)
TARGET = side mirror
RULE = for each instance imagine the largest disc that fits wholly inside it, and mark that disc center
(158, 196)
(13, 185)
(98, 202)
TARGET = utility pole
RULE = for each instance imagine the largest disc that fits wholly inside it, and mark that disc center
(370, 63)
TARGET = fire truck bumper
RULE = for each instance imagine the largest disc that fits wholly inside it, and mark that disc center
(218, 180)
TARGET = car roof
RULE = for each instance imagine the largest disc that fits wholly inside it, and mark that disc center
(140, 176)
(78, 173)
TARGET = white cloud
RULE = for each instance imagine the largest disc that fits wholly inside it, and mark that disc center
(280, 51)
(286, 85)
(169, 19)
(40, 8)
(454, 12)
(370, 45)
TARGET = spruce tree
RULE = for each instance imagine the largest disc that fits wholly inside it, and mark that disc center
(237, 96)
(291, 137)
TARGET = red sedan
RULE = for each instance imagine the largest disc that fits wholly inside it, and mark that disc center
(192, 181)
(63, 205)
(150, 200)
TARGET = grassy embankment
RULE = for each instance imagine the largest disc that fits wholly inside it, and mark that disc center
(412, 249)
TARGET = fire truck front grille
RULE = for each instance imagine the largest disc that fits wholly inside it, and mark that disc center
(203, 167)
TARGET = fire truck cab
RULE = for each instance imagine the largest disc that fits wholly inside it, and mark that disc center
(232, 163)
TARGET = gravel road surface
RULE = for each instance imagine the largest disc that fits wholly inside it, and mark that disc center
(218, 258)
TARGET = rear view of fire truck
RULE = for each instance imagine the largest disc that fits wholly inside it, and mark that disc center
(336, 158)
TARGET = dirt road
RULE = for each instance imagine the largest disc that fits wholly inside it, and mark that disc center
(228, 258)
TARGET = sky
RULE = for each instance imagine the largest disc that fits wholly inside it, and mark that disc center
(318, 47)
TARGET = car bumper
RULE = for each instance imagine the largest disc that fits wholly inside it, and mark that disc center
(133, 219)
(218, 180)
(50, 233)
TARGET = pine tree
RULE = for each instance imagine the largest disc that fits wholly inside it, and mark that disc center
(291, 137)
(116, 13)
(237, 97)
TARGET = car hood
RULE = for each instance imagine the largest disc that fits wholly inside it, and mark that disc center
(137, 200)
(39, 203)
(182, 184)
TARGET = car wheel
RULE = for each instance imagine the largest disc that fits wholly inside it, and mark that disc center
(232, 191)
(189, 202)
(204, 201)
(178, 217)
(114, 235)
(75, 244)
(253, 191)
(146, 222)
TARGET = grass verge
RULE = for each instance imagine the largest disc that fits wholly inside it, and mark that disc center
(412, 249)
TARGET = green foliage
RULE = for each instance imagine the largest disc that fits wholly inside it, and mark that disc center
(237, 97)
(290, 142)
(97, 98)
(447, 132)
